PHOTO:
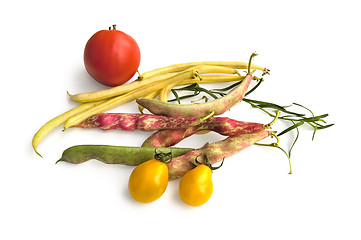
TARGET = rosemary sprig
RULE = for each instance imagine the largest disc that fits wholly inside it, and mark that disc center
(192, 87)
(295, 125)
(262, 104)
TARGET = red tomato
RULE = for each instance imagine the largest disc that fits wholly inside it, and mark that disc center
(111, 57)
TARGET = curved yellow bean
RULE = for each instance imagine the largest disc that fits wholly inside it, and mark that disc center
(164, 92)
(116, 91)
(55, 122)
(215, 79)
(183, 66)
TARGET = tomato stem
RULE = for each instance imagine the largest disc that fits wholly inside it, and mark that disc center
(207, 163)
(114, 27)
(163, 157)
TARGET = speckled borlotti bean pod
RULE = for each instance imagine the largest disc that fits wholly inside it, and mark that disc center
(134, 121)
(214, 152)
(169, 137)
(218, 106)
(222, 125)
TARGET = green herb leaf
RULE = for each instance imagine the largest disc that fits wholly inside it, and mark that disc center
(291, 128)
(294, 142)
(263, 104)
(254, 88)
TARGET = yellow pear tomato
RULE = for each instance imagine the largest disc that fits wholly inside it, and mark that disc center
(148, 181)
(196, 186)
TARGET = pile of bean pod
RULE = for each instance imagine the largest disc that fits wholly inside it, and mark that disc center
(148, 85)
(158, 160)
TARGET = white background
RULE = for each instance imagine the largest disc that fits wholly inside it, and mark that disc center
(313, 51)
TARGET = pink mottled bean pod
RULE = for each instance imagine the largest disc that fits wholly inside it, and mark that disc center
(218, 106)
(133, 121)
(222, 125)
(214, 152)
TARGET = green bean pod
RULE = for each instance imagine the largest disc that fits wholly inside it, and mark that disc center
(131, 156)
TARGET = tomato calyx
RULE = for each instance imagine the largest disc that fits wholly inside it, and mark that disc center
(163, 157)
(114, 27)
(207, 163)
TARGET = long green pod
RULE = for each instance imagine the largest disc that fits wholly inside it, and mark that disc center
(181, 157)
(131, 156)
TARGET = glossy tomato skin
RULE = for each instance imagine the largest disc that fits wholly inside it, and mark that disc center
(196, 186)
(111, 57)
(148, 181)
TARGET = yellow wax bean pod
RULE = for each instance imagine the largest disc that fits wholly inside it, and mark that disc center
(163, 93)
(57, 121)
(183, 66)
(116, 91)
(203, 78)
(126, 88)
(215, 79)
